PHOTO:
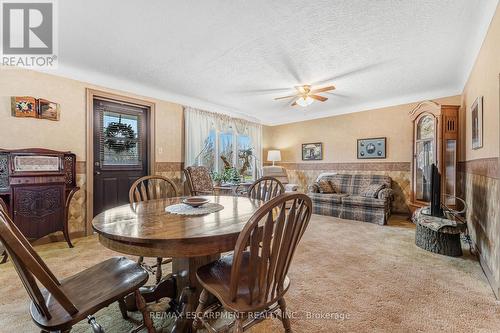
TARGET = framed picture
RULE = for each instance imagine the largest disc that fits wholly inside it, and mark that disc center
(372, 148)
(477, 123)
(48, 110)
(24, 107)
(312, 151)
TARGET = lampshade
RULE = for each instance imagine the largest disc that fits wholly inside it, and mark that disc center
(304, 101)
(274, 155)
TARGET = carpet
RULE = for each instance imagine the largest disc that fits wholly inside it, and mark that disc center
(347, 276)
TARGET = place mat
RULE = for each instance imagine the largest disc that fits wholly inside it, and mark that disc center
(183, 209)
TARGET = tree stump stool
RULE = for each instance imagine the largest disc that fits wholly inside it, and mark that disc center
(445, 241)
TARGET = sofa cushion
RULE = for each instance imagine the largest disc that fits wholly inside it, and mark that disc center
(352, 183)
(371, 191)
(325, 186)
(360, 181)
(327, 198)
(356, 200)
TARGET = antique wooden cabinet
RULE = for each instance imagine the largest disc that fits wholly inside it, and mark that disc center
(37, 185)
(435, 141)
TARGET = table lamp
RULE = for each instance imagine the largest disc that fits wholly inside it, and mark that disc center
(274, 156)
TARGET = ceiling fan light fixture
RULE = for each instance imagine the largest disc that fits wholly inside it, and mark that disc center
(304, 101)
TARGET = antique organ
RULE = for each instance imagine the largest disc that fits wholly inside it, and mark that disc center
(37, 185)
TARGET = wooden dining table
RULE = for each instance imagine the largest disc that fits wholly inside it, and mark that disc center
(146, 229)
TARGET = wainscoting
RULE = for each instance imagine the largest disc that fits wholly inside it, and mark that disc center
(77, 210)
(478, 184)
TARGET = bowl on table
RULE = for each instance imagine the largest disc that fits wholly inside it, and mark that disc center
(195, 201)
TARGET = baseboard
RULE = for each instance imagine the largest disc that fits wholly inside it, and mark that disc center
(58, 237)
(489, 274)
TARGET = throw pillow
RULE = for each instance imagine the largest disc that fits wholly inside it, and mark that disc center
(325, 186)
(371, 191)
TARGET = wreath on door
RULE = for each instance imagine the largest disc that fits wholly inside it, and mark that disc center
(119, 137)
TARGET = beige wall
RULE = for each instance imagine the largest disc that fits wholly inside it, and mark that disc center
(339, 134)
(482, 189)
(484, 81)
(69, 133)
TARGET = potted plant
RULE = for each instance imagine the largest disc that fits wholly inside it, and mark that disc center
(218, 178)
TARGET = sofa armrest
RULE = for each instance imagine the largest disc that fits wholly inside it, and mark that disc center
(291, 187)
(386, 193)
(313, 188)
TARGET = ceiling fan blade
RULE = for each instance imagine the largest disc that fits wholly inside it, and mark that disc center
(294, 103)
(324, 89)
(278, 98)
(354, 71)
(318, 98)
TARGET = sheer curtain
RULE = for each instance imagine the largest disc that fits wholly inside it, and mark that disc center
(199, 124)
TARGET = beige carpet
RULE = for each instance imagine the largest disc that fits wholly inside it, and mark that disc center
(347, 276)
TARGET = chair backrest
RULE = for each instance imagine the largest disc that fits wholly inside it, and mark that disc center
(29, 266)
(199, 180)
(152, 187)
(265, 189)
(277, 172)
(271, 237)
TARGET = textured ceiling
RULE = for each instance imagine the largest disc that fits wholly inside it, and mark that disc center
(236, 56)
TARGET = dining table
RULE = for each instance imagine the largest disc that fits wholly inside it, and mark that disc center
(146, 229)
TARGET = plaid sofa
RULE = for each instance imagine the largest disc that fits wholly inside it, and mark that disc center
(348, 204)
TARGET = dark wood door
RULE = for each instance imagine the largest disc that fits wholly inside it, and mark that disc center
(120, 151)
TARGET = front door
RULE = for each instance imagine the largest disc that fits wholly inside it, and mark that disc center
(120, 151)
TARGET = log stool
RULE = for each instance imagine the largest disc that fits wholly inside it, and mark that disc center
(446, 240)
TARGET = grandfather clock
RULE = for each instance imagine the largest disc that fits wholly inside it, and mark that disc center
(435, 141)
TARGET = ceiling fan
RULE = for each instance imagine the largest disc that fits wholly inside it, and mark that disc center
(305, 95)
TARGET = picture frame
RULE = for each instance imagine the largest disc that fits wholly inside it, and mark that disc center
(48, 110)
(24, 107)
(372, 148)
(312, 151)
(477, 123)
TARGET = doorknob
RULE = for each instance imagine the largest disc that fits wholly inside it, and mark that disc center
(97, 172)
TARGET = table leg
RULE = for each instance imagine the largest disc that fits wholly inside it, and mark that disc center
(188, 288)
(166, 288)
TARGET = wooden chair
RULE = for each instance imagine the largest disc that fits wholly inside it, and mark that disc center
(3, 252)
(265, 189)
(150, 188)
(199, 181)
(64, 303)
(254, 279)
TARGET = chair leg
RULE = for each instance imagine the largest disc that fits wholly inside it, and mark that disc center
(238, 328)
(5, 257)
(141, 305)
(96, 328)
(284, 315)
(123, 308)
(158, 269)
(198, 323)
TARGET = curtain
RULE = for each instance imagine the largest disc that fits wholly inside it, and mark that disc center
(196, 130)
(198, 125)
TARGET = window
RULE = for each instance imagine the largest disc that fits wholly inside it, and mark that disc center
(228, 147)
(245, 157)
(120, 142)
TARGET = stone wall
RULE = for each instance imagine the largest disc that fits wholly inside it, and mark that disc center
(478, 184)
